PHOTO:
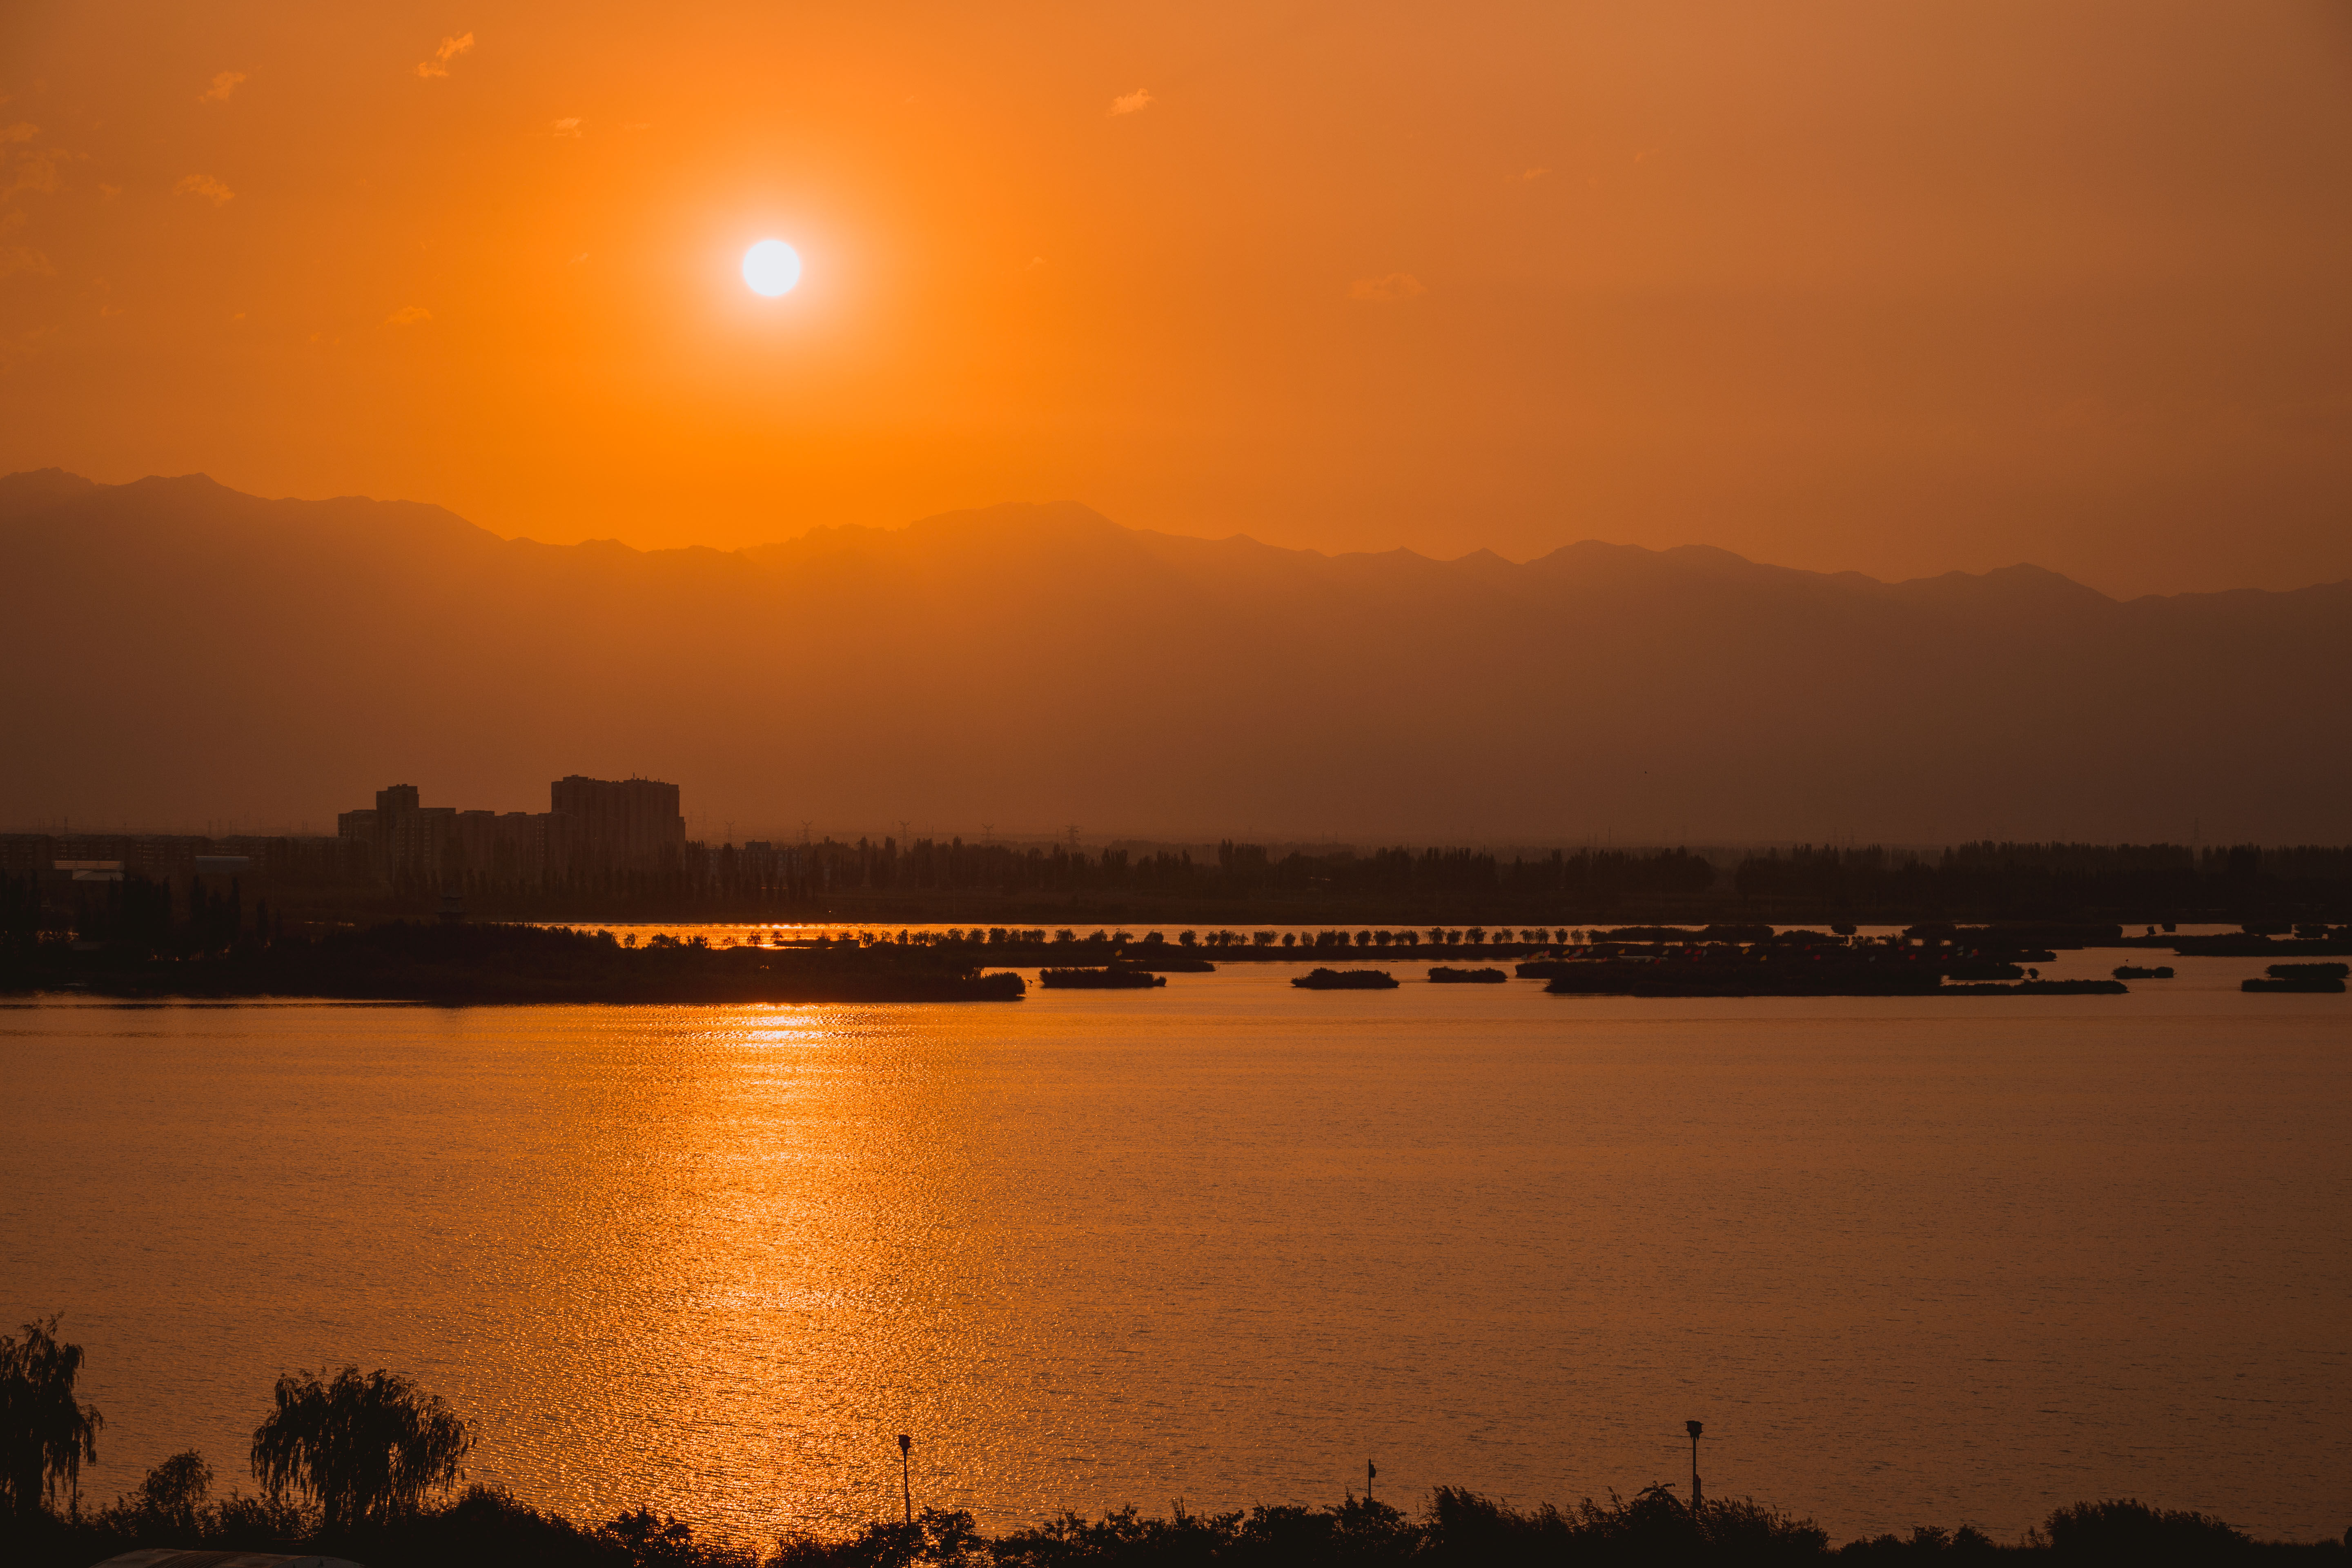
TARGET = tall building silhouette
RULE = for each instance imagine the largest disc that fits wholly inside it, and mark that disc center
(595, 826)
(623, 824)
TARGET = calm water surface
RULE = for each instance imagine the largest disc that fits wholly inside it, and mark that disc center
(1909, 1260)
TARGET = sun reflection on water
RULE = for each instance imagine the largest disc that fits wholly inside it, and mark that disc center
(1223, 1243)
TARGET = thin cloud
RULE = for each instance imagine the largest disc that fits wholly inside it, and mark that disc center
(565, 127)
(1395, 286)
(222, 85)
(407, 316)
(1134, 102)
(15, 257)
(37, 172)
(1535, 173)
(449, 50)
(204, 185)
(32, 168)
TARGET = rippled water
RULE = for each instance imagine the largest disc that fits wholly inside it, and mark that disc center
(1910, 1260)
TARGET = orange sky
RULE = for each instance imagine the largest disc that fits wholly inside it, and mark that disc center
(1900, 289)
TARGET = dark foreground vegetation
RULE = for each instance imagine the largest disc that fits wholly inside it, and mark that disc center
(485, 1529)
(353, 1465)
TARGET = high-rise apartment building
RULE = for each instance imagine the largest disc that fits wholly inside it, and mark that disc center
(622, 824)
(406, 840)
(596, 826)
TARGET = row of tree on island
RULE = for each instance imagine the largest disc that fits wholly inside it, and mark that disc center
(138, 916)
(1227, 941)
(370, 1465)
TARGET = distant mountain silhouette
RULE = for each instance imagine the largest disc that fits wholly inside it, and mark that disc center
(178, 651)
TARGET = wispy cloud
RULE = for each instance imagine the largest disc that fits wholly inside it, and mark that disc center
(1395, 286)
(204, 185)
(565, 127)
(1134, 102)
(449, 50)
(31, 168)
(222, 85)
(15, 257)
(408, 316)
(1535, 173)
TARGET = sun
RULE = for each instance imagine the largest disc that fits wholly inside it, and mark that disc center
(772, 267)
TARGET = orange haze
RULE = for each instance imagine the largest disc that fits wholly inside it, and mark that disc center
(1899, 289)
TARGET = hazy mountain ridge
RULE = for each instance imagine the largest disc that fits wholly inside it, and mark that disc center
(1029, 665)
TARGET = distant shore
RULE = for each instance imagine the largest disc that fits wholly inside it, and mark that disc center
(461, 962)
(478, 965)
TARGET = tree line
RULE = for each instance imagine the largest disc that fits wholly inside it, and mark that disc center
(940, 880)
(139, 914)
(1998, 881)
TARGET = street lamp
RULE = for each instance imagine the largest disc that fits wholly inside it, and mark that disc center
(906, 1485)
(1694, 1429)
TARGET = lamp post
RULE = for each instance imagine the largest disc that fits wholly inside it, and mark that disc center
(906, 1482)
(1694, 1429)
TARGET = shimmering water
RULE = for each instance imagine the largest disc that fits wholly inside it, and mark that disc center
(1910, 1260)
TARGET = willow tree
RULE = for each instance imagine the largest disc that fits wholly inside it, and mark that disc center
(366, 1449)
(45, 1434)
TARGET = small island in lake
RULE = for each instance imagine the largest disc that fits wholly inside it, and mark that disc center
(1346, 980)
(2322, 977)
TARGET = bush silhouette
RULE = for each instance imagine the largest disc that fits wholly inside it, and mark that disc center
(2125, 1530)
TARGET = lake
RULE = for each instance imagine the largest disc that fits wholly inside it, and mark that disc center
(1911, 1260)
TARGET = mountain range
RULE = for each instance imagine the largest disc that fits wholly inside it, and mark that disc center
(179, 654)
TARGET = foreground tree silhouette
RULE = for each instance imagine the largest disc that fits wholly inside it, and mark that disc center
(46, 1435)
(367, 1450)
